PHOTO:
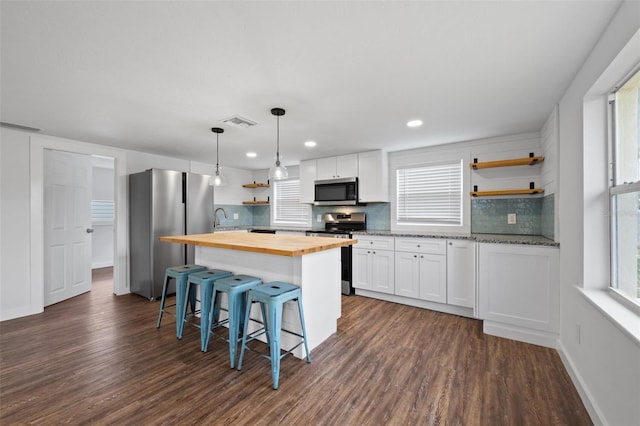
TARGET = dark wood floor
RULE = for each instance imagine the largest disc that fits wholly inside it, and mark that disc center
(98, 358)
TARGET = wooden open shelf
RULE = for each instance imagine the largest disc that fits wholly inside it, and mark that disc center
(526, 161)
(256, 202)
(255, 185)
(507, 192)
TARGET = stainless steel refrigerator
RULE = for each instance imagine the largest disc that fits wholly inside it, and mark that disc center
(164, 202)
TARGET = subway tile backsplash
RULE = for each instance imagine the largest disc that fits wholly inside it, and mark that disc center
(245, 215)
(378, 214)
(489, 216)
(534, 216)
(547, 216)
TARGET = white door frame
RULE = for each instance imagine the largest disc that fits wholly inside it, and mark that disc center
(120, 265)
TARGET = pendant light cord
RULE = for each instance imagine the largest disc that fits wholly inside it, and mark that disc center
(217, 154)
(278, 141)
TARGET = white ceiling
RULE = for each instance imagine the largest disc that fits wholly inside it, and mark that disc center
(156, 76)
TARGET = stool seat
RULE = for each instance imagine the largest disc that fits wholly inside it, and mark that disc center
(236, 288)
(180, 274)
(273, 295)
(205, 280)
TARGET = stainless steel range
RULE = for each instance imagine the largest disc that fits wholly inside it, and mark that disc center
(341, 225)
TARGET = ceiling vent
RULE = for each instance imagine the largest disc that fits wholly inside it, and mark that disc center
(240, 122)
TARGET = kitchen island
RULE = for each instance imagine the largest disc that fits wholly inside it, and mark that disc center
(313, 263)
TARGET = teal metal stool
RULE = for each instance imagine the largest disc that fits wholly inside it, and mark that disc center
(274, 295)
(180, 274)
(205, 280)
(236, 288)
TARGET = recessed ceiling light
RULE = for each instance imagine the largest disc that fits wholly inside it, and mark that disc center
(310, 144)
(252, 154)
(414, 123)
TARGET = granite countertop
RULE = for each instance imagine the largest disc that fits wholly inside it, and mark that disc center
(262, 228)
(536, 240)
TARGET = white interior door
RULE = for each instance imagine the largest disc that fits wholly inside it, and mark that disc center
(67, 225)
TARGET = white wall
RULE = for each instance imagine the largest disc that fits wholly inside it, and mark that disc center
(504, 148)
(17, 296)
(605, 361)
(489, 149)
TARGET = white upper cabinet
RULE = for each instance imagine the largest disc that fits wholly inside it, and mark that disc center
(307, 181)
(343, 166)
(373, 177)
(371, 168)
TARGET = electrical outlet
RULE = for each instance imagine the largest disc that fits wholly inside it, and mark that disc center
(236, 216)
(511, 218)
(319, 218)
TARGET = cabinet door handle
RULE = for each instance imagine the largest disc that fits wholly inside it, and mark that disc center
(421, 257)
(418, 246)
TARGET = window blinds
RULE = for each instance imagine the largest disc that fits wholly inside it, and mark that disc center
(430, 195)
(287, 207)
(102, 210)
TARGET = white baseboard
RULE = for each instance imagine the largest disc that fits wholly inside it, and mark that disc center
(585, 395)
(417, 303)
(9, 314)
(101, 265)
(521, 334)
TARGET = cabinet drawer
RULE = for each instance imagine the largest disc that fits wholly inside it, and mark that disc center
(379, 243)
(421, 245)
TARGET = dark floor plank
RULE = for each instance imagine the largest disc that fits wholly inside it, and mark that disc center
(98, 358)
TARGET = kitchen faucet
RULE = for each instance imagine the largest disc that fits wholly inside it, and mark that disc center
(216, 221)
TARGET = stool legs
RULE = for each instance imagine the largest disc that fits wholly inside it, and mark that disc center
(205, 316)
(181, 275)
(304, 331)
(181, 308)
(190, 295)
(274, 296)
(163, 300)
(237, 306)
(273, 331)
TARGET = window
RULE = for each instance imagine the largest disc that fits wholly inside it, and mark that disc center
(102, 210)
(287, 209)
(624, 189)
(430, 194)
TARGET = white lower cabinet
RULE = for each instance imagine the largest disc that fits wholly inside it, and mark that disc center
(518, 292)
(421, 269)
(461, 273)
(373, 264)
(421, 276)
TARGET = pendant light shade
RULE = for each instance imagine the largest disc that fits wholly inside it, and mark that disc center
(278, 171)
(217, 179)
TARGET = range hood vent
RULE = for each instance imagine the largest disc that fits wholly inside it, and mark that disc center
(240, 122)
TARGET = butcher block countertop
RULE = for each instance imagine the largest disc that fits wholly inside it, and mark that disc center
(281, 245)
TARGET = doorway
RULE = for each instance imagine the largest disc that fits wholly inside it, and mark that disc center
(38, 145)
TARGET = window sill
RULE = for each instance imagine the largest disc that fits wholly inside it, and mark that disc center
(620, 315)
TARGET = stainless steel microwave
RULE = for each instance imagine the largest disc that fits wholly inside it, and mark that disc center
(336, 192)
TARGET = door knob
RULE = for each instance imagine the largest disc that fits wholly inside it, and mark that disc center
(89, 231)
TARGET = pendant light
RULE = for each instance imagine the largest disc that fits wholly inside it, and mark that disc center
(278, 171)
(218, 179)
